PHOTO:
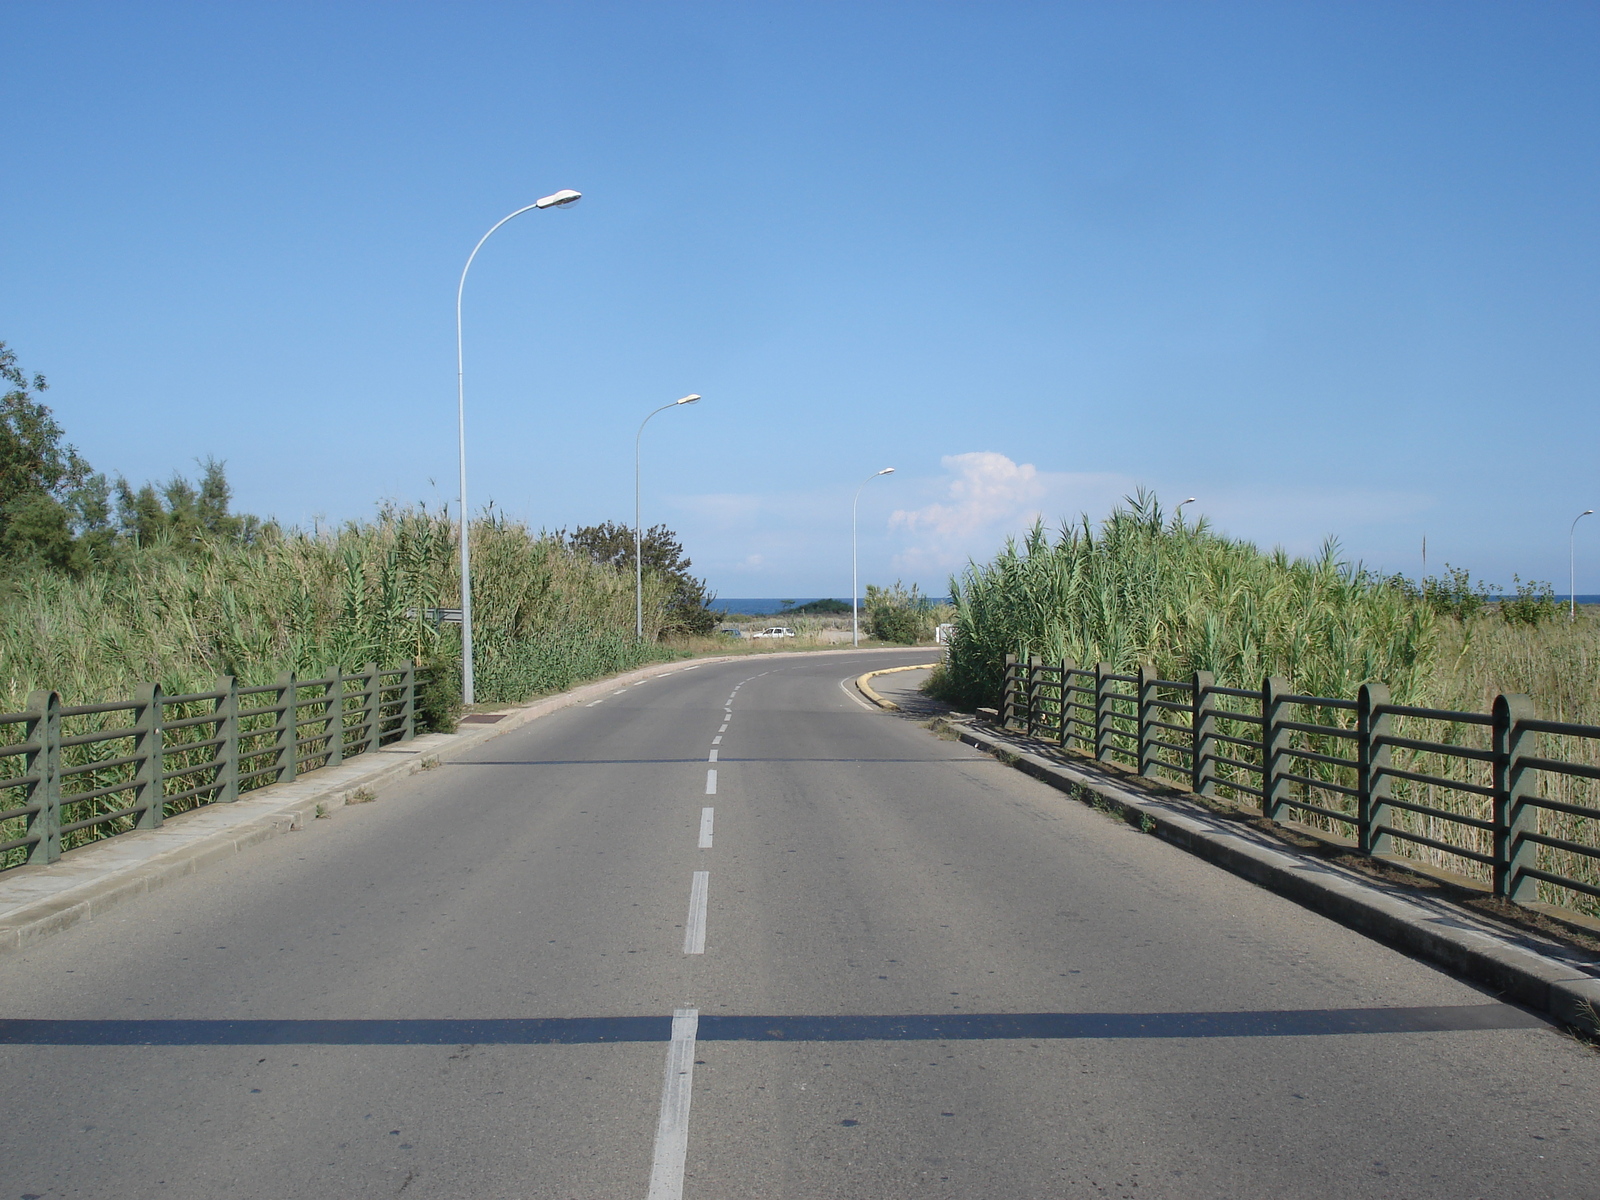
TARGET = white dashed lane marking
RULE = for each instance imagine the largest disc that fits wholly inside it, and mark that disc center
(694, 928)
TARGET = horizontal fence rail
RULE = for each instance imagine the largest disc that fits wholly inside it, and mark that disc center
(75, 774)
(1502, 797)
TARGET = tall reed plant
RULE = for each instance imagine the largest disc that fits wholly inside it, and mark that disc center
(1142, 588)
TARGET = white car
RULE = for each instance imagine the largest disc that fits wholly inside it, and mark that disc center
(774, 631)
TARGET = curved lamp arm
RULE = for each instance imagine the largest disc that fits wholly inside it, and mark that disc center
(556, 200)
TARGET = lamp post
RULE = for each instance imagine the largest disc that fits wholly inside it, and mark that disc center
(855, 590)
(1572, 565)
(638, 555)
(556, 200)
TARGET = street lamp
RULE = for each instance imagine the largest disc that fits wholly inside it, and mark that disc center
(638, 556)
(855, 624)
(559, 199)
(1178, 512)
(1572, 565)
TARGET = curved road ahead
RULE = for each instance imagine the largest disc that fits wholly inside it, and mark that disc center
(899, 968)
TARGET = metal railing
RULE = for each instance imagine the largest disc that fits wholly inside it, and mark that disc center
(75, 774)
(1503, 796)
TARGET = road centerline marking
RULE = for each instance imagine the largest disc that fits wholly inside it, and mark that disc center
(711, 782)
(694, 927)
(705, 827)
(723, 728)
(713, 757)
(672, 1126)
(717, 741)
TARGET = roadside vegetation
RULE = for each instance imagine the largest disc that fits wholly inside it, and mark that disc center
(1146, 588)
(107, 585)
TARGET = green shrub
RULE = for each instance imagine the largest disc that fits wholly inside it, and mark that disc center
(898, 614)
(1533, 604)
(438, 695)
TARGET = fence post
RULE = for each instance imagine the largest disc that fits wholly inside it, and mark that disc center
(1514, 785)
(1034, 663)
(1102, 712)
(227, 728)
(1274, 740)
(333, 711)
(1008, 696)
(1147, 714)
(1203, 723)
(288, 731)
(1374, 725)
(43, 729)
(371, 710)
(1067, 668)
(408, 701)
(149, 748)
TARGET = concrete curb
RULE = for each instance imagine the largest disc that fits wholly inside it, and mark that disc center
(1540, 973)
(36, 902)
(866, 690)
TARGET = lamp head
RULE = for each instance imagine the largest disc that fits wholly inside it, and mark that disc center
(1588, 512)
(559, 200)
(887, 471)
(689, 399)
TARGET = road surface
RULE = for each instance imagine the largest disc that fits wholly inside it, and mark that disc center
(900, 969)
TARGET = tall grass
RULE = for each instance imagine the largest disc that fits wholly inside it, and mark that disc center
(544, 616)
(1143, 589)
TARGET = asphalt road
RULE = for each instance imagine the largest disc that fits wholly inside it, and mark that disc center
(918, 974)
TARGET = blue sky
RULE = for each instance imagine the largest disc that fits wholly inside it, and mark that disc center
(1332, 268)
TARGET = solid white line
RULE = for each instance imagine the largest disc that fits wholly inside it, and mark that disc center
(694, 929)
(672, 1127)
(844, 687)
(713, 757)
(717, 741)
(711, 782)
(705, 828)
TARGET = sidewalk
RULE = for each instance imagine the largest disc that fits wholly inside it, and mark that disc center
(36, 902)
(1539, 972)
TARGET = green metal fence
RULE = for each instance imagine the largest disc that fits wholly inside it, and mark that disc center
(75, 774)
(1502, 796)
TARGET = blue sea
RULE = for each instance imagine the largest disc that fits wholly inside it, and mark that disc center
(765, 607)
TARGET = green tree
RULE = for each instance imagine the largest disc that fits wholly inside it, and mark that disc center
(48, 495)
(662, 555)
(185, 513)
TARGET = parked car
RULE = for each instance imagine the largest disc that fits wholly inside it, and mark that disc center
(731, 631)
(774, 631)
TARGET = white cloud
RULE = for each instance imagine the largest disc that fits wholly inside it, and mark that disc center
(988, 497)
(988, 489)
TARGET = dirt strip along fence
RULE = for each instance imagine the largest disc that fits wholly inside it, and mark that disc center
(75, 774)
(1502, 797)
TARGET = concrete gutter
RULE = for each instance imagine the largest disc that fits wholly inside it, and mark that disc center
(1541, 973)
(36, 902)
(864, 686)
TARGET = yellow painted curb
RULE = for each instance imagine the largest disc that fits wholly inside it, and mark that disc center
(865, 688)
